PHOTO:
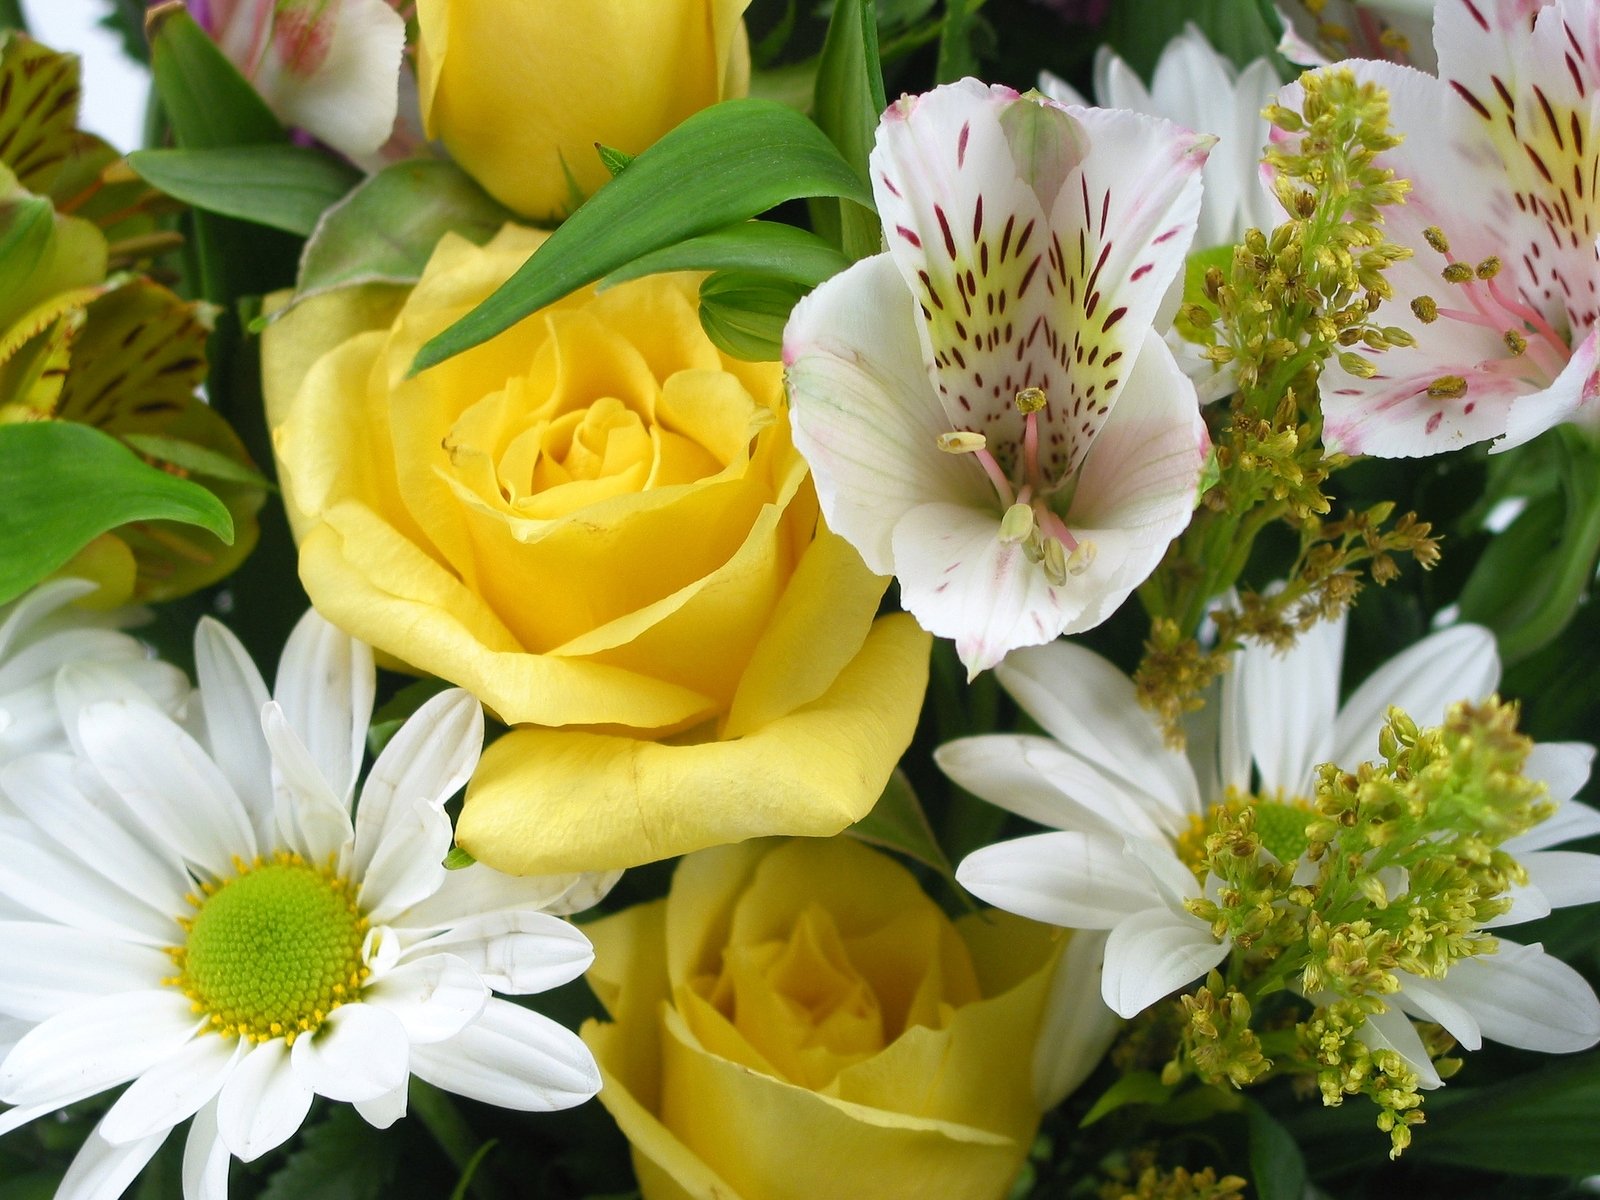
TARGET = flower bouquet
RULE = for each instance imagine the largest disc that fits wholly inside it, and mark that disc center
(881, 598)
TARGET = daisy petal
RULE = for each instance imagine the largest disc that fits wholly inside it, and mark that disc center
(1564, 767)
(1152, 954)
(263, 1102)
(1091, 708)
(311, 817)
(80, 684)
(385, 1110)
(38, 875)
(360, 1053)
(434, 998)
(408, 866)
(478, 891)
(1520, 997)
(96, 1045)
(48, 790)
(518, 952)
(1076, 880)
(1393, 1030)
(325, 685)
(205, 1158)
(1454, 664)
(513, 1058)
(172, 1090)
(103, 1170)
(47, 967)
(170, 782)
(1565, 877)
(1078, 1028)
(232, 694)
(1288, 702)
(429, 758)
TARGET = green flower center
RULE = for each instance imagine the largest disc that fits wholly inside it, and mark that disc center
(1280, 824)
(272, 950)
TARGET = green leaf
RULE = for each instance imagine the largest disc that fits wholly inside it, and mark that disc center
(762, 247)
(343, 1158)
(1541, 1123)
(1240, 29)
(726, 163)
(1529, 583)
(1277, 1167)
(898, 823)
(66, 484)
(196, 459)
(1137, 1087)
(457, 859)
(849, 100)
(285, 187)
(208, 102)
(385, 230)
(616, 161)
(744, 313)
(956, 59)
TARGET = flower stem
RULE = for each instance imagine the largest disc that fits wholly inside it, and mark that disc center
(449, 1128)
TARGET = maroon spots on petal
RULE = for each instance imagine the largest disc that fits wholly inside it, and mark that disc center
(1112, 317)
(1092, 304)
(1027, 278)
(1433, 422)
(1105, 209)
(1577, 76)
(1466, 94)
(1168, 235)
(1112, 357)
(1549, 116)
(944, 228)
(1505, 93)
(977, 219)
(961, 143)
(1022, 238)
(1476, 15)
(889, 183)
(1005, 235)
(1111, 384)
(1538, 163)
(1140, 272)
(909, 235)
(1469, 406)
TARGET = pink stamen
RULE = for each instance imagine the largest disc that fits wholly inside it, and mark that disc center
(1030, 448)
(1054, 526)
(1002, 485)
(1531, 315)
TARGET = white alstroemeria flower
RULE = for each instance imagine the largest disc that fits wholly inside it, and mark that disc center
(1393, 30)
(1503, 216)
(209, 926)
(40, 634)
(1197, 87)
(986, 411)
(330, 67)
(1128, 811)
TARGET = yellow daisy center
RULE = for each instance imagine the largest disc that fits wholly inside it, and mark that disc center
(272, 950)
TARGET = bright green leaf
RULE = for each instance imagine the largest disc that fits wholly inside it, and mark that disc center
(616, 161)
(849, 100)
(726, 163)
(208, 102)
(898, 823)
(196, 459)
(385, 230)
(67, 483)
(763, 247)
(286, 187)
(744, 313)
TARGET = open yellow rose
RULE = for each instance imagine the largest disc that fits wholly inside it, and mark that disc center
(519, 91)
(598, 524)
(797, 1020)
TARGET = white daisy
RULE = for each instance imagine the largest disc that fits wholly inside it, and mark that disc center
(40, 633)
(209, 924)
(1127, 810)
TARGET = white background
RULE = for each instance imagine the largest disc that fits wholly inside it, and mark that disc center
(114, 87)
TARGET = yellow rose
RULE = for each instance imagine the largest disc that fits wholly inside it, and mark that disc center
(797, 1020)
(519, 91)
(598, 524)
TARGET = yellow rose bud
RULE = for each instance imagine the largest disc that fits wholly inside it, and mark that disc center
(797, 1020)
(598, 524)
(519, 91)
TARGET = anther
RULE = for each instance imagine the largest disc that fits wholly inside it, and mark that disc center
(1055, 561)
(1458, 272)
(1488, 268)
(960, 441)
(1081, 558)
(1448, 387)
(1435, 238)
(1515, 342)
(1426, 309)
(1031, 400)
(1017, 524)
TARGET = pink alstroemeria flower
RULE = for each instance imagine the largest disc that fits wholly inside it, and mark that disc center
(1503, 154)
(330, 67)
(986, 410)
